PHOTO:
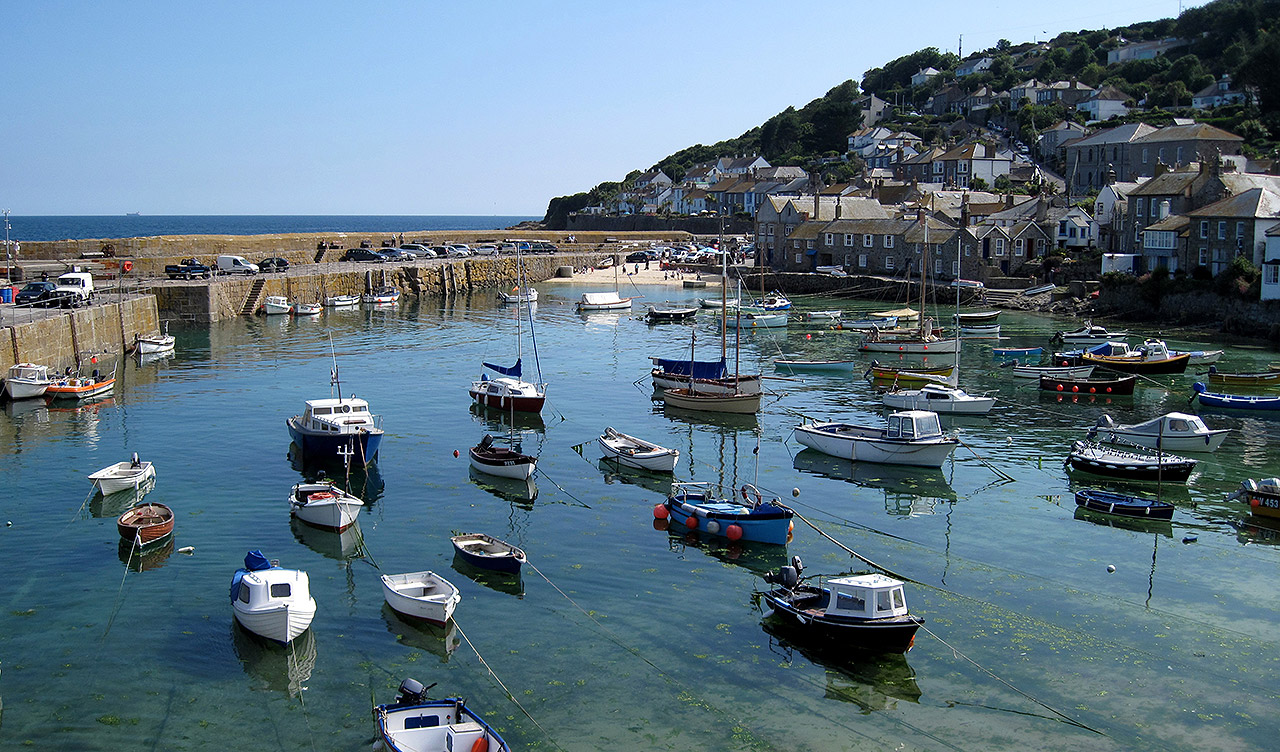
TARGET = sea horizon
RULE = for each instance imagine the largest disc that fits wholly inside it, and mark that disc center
(53, 227)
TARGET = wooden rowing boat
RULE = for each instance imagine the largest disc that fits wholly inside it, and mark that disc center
(145, 524)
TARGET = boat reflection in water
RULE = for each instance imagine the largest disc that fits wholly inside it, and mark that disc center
(280, 668)
(1257, 530)
(151, 557)
(365, 483)
(519, 492)
(438, 640)
(754, 557)
(908, 491)
(495, 420)
(650, 481)
(1159, 527)
(344, 546)
(27, 409)
(503, 582)
(872, 682)
(113, 505)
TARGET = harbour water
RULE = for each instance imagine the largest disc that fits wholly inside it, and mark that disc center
(620, 635)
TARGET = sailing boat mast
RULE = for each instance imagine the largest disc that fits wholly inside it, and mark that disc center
(724, 293)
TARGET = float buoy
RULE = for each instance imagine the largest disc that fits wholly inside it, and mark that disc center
(713, 527)
(661, 511)
(733, 532)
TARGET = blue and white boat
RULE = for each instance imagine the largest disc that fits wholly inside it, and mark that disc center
(1234, 401)
(271, 601)
(337, 428)
(416, 723)
(754, 519)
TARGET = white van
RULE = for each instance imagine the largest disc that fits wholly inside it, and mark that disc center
(79, 284)
(236, 265)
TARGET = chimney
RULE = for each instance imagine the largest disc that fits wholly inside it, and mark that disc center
(839, 207)
(1008, 201)
(964, 213)
(1111, 175)
(1042, 208)
(1160, 169)
(1164, 209)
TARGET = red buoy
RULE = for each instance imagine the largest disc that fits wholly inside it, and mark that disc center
(661, 512)
(1075, 388)
(733, 532)
(691, 521)
(1093, 389)
(1059, 387)
(455, 453)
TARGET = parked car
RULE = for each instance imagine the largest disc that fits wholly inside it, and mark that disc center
(363, 254)
(236, 265)
(79, 284)
(440, 250)
(45, 295)
(485, 250)
(419, 250)
(399, 254)
(458, 251)
(188, 269)
(273, 264)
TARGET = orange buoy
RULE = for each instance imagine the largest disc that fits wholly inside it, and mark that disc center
(1108, 390)
(691, 521)
(481, 744)
(1093, 389)
(1059, 387)
(1075, 388)
(455, 453)
(661, 511)
(1254, 501)
(733, 532)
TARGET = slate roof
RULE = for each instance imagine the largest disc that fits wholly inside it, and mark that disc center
(1194, 132)
(1253, 203)
(1118, 135)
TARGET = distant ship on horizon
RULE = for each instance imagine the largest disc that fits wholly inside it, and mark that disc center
(133, 214)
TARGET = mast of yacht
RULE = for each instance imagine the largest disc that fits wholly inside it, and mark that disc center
(724, 293)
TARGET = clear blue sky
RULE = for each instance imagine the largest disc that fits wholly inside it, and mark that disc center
(428, 107)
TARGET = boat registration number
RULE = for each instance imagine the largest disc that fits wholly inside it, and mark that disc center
(1269, 503)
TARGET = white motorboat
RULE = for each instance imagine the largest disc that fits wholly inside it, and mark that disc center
(501, 461)
(342, 301)
(324, 505)
(913, 437)
(276, 304)
(130, 474)
(638, 453)
(1057, 372)
(756, 319)
(381, 295)
(774, 301)
(1171, 432)
(1088, 335)
(717, 303)
(307, 309)
(270, 601)
(939, 398)
(422, 595)
(153, 344)
(415, 723)
(27, 381)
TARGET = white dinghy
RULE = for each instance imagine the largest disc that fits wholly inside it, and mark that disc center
(422, 595)
(121, 476)
(324, 505)
(638, 453)
(913, 437)
(270, 601)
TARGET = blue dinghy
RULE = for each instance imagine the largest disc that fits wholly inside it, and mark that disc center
(1236, 401)
(753, 520)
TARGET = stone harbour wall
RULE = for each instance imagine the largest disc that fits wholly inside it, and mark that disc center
(57, 341)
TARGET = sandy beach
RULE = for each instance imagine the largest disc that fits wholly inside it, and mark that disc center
(627, 273)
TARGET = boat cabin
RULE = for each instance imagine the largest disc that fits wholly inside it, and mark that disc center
(507, 387)
(29, 371)
(913, 424)
(865, 596)
(267, 589)
(338, 416)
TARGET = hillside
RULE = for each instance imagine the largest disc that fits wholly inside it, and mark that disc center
(1239, 38)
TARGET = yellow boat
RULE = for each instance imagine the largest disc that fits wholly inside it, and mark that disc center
(1262, 378)
(910, 376)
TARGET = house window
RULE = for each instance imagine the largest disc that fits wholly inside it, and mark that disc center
(848, 239)
(888, 241)
(1222, 229)
(955, 268)
(1019, 247)
(868, 241)
(1179, 155)
(808, 244)
(1139, 209)
(968, 249)
(1204, 256)
(937, 266)
(1273, 274)
(1204, 229)
(798, 259)
(770, 228)
(1162, 154)
(1071, 232)
(888, 262)
(999, 246)
(1144, 156)
(1239, 229)
(829, 239)
(862, 260)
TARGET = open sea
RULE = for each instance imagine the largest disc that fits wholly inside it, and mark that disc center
(621, 635)
(141, 226)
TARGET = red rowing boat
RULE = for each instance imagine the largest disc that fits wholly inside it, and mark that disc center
(145, 524)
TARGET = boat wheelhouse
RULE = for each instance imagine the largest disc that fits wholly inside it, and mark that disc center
(330, 427)
(27, 380)
(865, 612)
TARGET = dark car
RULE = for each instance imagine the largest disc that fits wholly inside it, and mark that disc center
(273, 264)
(46, 295)
(362, 254)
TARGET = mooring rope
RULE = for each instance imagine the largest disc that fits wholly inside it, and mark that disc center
(306, 718)
(115, 608)
(508, 692)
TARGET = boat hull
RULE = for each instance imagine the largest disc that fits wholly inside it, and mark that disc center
(865, 444)
(1111, 387)
(325, 446)
(812, 366)
(741, 404)
(152, 345)
(1177, 364)
(748, 384)
(1129, 466)
(433, 726)
(1122, 505)
(79, 391)
(19, 389)
(912, 346)
(916, 399)
(886, 635)
(486, 552)
(630, 452)
(1235, 401)
(759, 525)
(281, 624)
(120, 477)
(337, 511)
(503, 463)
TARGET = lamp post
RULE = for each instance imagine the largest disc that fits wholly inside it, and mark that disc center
(8, 249)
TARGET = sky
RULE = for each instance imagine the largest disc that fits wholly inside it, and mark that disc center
(425, 107)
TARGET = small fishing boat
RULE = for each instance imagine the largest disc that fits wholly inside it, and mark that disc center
(975, 318)
(716, 304)
(691, 505)
(1263, 496)
(422, 595)
(1123, 505)
(1038, 289)
(603, 301)
(1233, 401)
(1135, 466)
(638, 453)
(920, 341)
(667, 315)
(324, 505)
(145, 524)
(980, 331)
(269, 601)
(1057, 372)
(415, 723)
(501, 461)
(1172, 432)
(1201, 357)
(307, 309)
(1088, 335)
(810, 366)
(330, 428)
(132, 473)
(80, 387)
(1016, 352)
(380, 295)
(1122, 386)
(709, 376)
(687, 399)
(486, 552)
(342, 301)
(518, 295)
(774, 301)
(866, 324)
(856, 613)
(27, 381)
(912, 437)
(939, 398)
(153, 344)
(1151, 358)
(276, 304)
(909, 375)
(752, 319)
(1257, 378)
(824, 317)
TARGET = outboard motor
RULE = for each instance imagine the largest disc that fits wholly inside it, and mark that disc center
(412, 692)
(486, 442)
(788, 576)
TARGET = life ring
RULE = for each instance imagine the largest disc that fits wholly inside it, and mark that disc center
(320, 496)
(127, 265)
(746, 495)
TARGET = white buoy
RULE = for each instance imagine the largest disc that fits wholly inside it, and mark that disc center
(187, 550)
(1111, 567)
(795, 492)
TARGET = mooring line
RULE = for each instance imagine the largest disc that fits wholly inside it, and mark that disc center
(306, 718)
(510, 696)
(542, 474)
(115, 609)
